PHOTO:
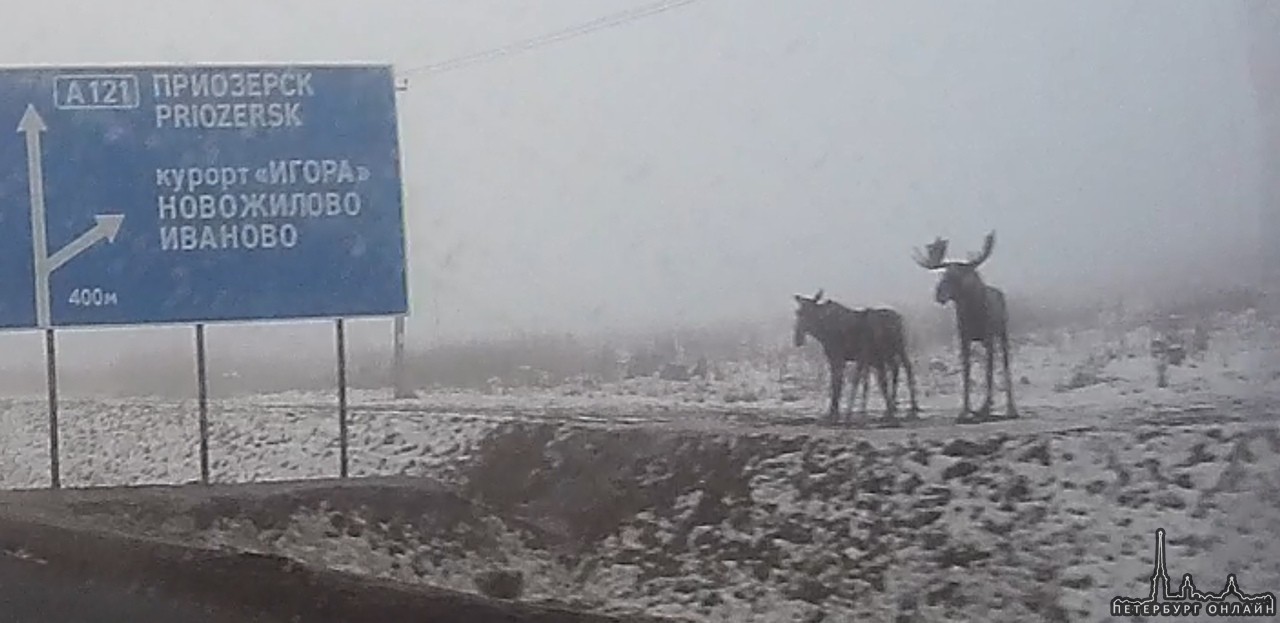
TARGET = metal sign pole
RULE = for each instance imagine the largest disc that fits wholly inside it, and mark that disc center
(51, 380)
(202, 394)
(342, 396)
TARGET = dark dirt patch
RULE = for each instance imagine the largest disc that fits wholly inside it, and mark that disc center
(587, 482)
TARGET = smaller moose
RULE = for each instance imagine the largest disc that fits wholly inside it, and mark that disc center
(874, 339)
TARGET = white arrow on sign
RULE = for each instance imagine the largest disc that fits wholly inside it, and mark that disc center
(107, 228)
(108, 225)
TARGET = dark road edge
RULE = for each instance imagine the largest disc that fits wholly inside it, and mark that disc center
(262, 584)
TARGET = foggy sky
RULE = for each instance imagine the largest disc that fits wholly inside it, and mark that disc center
(712, 160)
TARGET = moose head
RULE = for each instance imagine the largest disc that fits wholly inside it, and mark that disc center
(806, 315)
(958, 277)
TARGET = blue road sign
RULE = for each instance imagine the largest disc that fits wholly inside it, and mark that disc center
(156, 194)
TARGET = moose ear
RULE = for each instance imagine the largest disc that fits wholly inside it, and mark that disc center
(800, 299)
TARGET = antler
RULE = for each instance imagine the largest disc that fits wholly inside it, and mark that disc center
(802, 299)
(987, 246)
(932, 258)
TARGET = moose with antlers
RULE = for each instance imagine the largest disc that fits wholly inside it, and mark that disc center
(874, 339)
(981, 315)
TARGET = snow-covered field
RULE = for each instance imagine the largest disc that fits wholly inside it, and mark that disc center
(726, 500)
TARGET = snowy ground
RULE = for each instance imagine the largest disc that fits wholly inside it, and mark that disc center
(295, 435)
(727, 501)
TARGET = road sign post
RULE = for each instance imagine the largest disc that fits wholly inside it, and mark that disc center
(51, 384)
(200, 194)
(341, 339)
(399, 379)
(202, 399)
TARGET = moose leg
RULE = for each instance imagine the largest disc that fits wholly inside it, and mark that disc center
(911, 383)
(964, 371)
(1008, 376)
(837, 385)
(853, 393)
(866, 388)
(882, 377)
(893, 367)
(988, 347)
(859, 376)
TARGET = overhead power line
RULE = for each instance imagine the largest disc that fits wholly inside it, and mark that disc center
(608, 21)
